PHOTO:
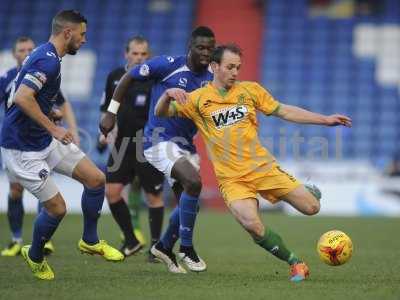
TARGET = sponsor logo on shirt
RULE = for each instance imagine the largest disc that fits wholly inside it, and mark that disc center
(144, 70)
(228, 116)
(140, 100)
(182, 82)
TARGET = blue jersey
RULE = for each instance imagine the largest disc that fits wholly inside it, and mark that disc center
(41, 72)
(6, 81)
(169, 72)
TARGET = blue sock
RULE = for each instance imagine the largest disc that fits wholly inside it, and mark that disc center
(15, 216)
(187, 215)
(39, 207)
(92, 202)
(171, 235)
(44, 228)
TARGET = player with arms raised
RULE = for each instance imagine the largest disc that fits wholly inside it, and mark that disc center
(225, 113)
(168, 144)
(32, 145)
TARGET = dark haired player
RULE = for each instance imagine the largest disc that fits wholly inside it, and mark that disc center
(168, 144)
(32, 145)
(22, 47)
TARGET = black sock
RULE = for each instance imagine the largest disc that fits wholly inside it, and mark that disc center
(156, 216)
(122, 216)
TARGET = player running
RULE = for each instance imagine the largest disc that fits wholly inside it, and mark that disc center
(123, 165)
(168, 144)
(32, 145)
(225, 113)
(15, 213)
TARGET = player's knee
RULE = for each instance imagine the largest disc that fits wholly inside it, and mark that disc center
(56, 209)
(313, 208)
(16, 191)
(96, 181)
(193, 186)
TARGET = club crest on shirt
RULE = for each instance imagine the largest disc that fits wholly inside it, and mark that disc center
(241, 98)
(144, 70)
(228, 116)
(43, 173)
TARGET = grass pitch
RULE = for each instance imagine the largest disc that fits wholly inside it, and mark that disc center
(237, 268)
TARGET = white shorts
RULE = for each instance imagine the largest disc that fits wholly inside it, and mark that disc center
(164, 155)
(32, 168)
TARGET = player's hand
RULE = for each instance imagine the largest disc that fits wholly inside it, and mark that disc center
(336, 120)
(179, 95)
(101, 143)
(63, 135)
(107, 123)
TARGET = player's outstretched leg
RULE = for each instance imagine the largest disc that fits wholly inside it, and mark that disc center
(246, 213)
(45, 225)
(305, 198)
(163, 249)
(15, 215)
(92, 201)
(189, 178)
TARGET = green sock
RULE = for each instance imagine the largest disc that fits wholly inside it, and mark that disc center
(314, 190)
(134, 200)
(272, 242)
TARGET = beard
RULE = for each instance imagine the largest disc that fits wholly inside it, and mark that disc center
(71, 50)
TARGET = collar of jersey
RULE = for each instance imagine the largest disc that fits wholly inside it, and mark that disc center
(222, 91)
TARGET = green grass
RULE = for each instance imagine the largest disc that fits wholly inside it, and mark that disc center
(237, 268)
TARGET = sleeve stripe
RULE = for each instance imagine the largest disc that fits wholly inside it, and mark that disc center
(34, 80)
(275, 110)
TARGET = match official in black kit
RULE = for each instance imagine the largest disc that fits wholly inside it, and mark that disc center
(126, 163)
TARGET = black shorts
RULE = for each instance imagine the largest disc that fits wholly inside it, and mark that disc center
(128, 166)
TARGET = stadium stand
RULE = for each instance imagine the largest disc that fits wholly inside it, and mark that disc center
(323, 63)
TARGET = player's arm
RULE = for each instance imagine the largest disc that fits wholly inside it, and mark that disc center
(107, 123)
(25, 99)
(155, 68)
(166, 106)
(106, 97)
(299, 115)
(69, 116)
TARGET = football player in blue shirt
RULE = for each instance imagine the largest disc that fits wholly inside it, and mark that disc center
(168, 143)
(32, 145)
(21, 49)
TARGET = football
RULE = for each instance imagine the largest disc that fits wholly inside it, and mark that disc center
(335, 248)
